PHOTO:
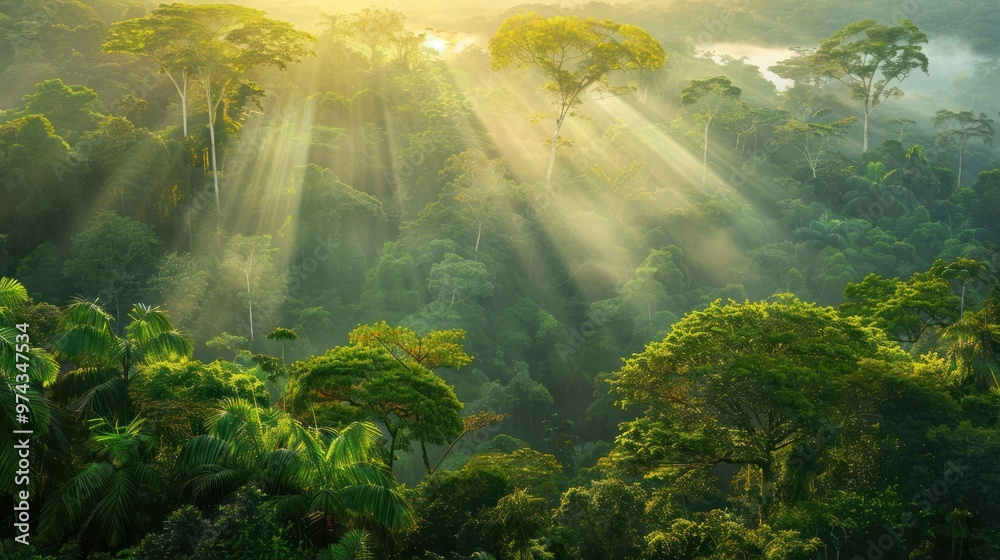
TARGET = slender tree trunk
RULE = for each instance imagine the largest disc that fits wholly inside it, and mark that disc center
(182, 90)
(961, 152)
(864, 142)
(555, 144)
(184, 102)
(446, 452)
(392, 449)
(211, 134)
(479, 236)
(423, 450)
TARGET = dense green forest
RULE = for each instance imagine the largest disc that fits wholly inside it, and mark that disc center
(698, 279)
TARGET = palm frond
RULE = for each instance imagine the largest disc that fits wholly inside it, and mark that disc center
(155, 339)
(102, 399)
(354, 545)
(71, 506)
(12, 293)
(281, 470)
(215, 483)
(115, 512)
(386, 506)
(355, 443)
(166, 346)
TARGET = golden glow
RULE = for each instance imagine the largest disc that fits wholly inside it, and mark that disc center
(577, 222)
(436, 43)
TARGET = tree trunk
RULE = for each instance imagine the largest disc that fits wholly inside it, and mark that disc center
(479, 236)
(184, 103)
(864, 142)
(392, 449)
(211, 134)
(555, 143)
(423, 450)
(182, 89)
(961, 152)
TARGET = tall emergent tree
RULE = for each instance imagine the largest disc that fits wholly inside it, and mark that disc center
(871, 60)
(963, 271)
(809, 138)
(716, 96)
(252, 258)
(382, 37)
(165, 40)
(218, 43)
(961, 129)
(576, 56)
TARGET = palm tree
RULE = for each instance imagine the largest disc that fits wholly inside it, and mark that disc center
(975, 349)
(25, 371)
(281, 334)
(822, 233)
(329, 479)
(354, 545)
(101, 501)
(106, 361)
(876, 189)
(963, 271)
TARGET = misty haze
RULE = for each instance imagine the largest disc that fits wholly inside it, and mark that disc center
(407, 280)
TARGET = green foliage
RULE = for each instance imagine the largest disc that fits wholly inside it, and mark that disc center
(114, 258)
(538, 473)
(905, 310)
(245, 525)
(37, 175)
(335, 476)
(376, 188)
(502, 443)
(105, 361)
(434, 350)
(195, 381)
(72, 110)
(870, 59)
(455, 280)
(729, 385)
(366, 380)
(603, 520)
(107, 498)
(575, 55)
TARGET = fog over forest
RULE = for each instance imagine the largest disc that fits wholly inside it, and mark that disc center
(680, 280)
